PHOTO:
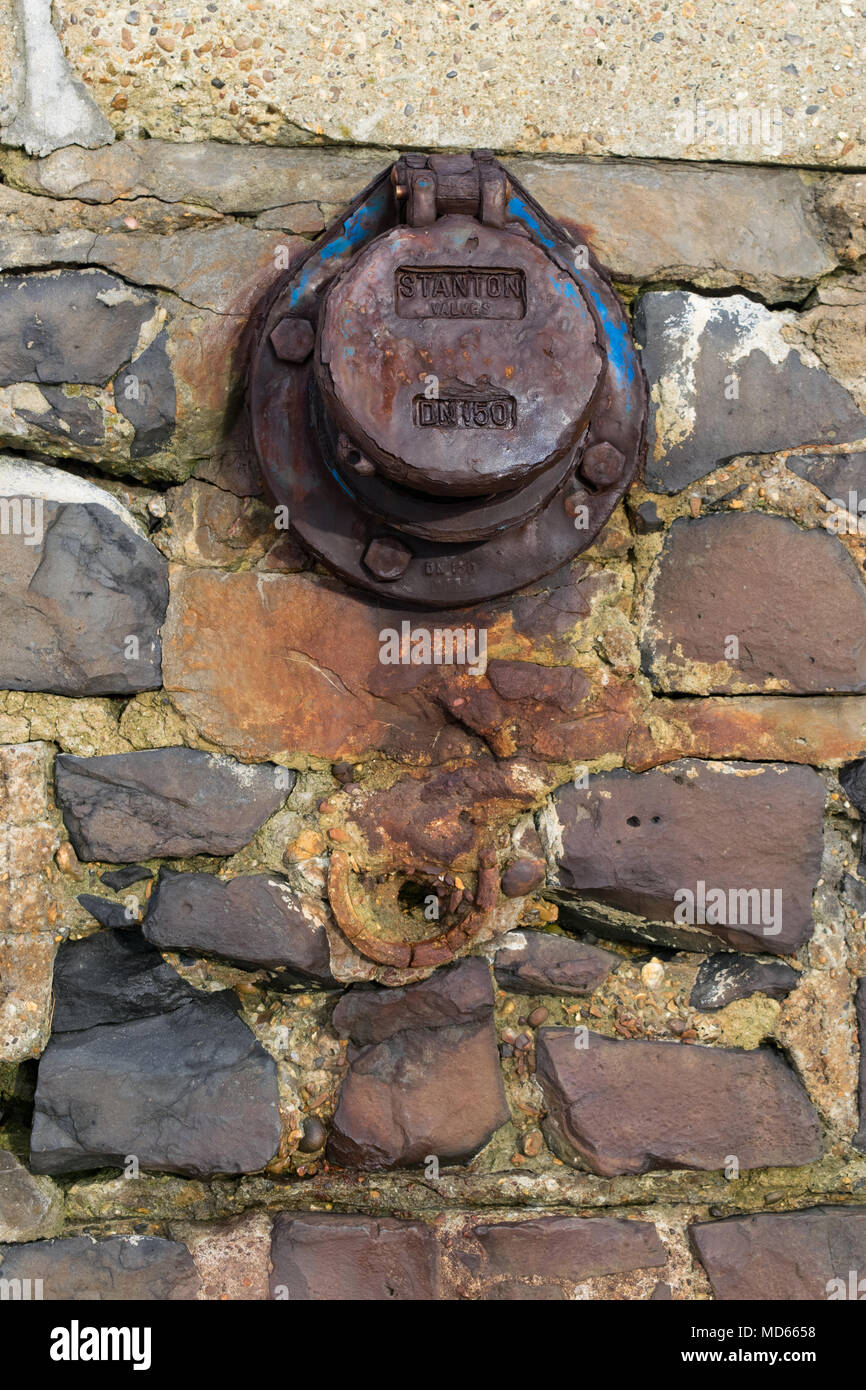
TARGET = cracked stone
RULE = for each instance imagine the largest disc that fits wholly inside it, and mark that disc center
(626, 1106)
(256, 919)
(424, 1075)
(725, 380)
(657, 844)
(166, 802)
(139, 1063)
(83, 592)
(750, 602)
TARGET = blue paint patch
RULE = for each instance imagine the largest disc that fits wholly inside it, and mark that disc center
(520, 212)
(359, 228)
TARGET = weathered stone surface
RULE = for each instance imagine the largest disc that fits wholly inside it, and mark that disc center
(424, 1075)
(83, 592)
(713, 226)
(146, 396)
(726, 379)
(640, 843)
(29, 1207)
(25, 994)
(357, 1258)
(256, 919)
(785, 1256)
(173, 802)
(860, 1137)
(836, 475)
(623, 1106)
(785, 728)
(792, 600)
(852, 780)
(120, 1268)
(140, 1063)
(68, 326)
(231, 1256)
(568, 1247)
(47, 105)
(816, 1027)
(208, 526)
(725, 977)
(534, 962)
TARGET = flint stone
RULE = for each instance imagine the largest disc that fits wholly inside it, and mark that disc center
(171, 802)
(632, 841)
(694, 347)
(785, 1257)
(353, 1258)
(424, 1075)
(77, 577)
(794, 599)
(141, 1063)
(120, 1268)
(725, 977)
(76, 326)
(623, 1106)
(534, 962)
(256, 919)
(569, 1247)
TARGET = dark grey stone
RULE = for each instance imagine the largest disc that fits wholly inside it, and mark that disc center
(139, 1063)
(75, 326)
(835, 474)
(145, 394)
(256, 919)
(171, 802)
(543, 963)
(71, 417)
(121, 1268)
(725, 977)
(854, 890)
(703, 345)
(852, 779)
(117, 879)
(70, 604)
(107, 912)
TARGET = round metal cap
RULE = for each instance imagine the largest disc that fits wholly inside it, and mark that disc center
(458, 357)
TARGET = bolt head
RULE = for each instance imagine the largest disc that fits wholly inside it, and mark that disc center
(293, 339)
(387, 558)
(602, 465)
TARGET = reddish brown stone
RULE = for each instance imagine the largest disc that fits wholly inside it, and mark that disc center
(353, 1258)
(639, 841)
(793, 729)
(815, 1255)
(523, 876)
(568, 1247)
(534, 962)
(623, 1106)
(793, 599)
(424, 1077)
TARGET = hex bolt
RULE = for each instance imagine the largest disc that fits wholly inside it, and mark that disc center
(293, 339)
(387, 558)
(602, 465)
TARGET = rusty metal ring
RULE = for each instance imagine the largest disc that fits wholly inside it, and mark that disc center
(439, 948)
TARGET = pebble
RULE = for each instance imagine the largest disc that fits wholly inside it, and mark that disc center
(314, 1135)
(539, 1016)
(532, 1143)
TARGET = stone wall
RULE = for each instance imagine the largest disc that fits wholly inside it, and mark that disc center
(643, 1080)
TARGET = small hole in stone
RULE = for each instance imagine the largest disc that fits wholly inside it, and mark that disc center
(633, 820)
(655, 819)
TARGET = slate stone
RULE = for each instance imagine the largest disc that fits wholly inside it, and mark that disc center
(625, 1106)
(568, 1247)
(854, 889)
(694, 349)
(859, 1140)
(171, 802)
(727, 976)
(140, 1063)
(534, 962)
(69, 417)
(852, 780)
(836, 475)
(790, 1256)
(424, 1075)
(352, 1258)
(256, 919)
(637, 842)
(118, 879)
(145, 394)
(120, 1268)
(76, 326)
(794, 600)
(107, 912)
(78, 579)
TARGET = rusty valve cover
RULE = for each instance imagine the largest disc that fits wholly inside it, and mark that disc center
(444, 392)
